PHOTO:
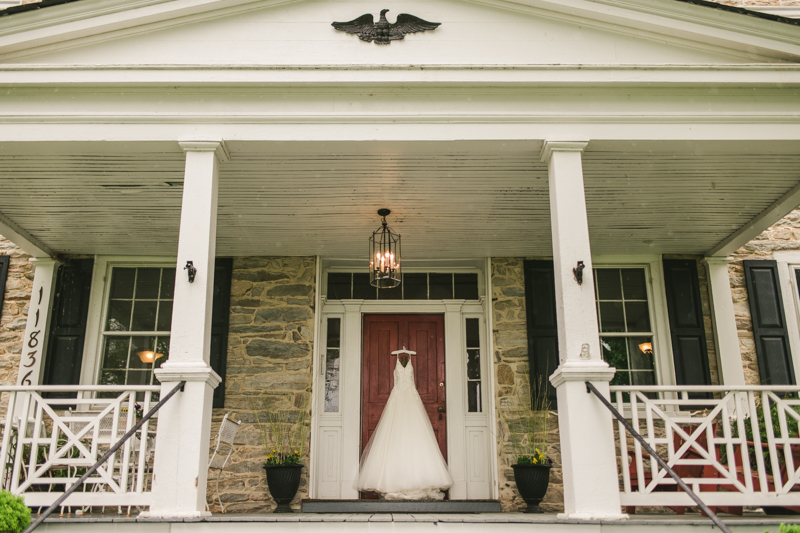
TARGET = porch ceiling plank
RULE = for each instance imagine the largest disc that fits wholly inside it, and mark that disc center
(779, 209)
(448, 199)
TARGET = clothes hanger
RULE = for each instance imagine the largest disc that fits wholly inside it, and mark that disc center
(404, 355)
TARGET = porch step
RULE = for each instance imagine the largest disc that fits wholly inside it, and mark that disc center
(379, 506)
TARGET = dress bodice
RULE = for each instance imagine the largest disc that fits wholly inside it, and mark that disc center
(403, 376)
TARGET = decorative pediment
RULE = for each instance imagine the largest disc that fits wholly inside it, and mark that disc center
(270, 33)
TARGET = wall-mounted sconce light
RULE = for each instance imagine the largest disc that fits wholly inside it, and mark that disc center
(192, 271)
(578, 272)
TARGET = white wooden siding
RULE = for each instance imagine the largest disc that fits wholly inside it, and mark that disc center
(301, 33)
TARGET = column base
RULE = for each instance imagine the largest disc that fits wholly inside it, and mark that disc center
(164, 514)
(590, 516)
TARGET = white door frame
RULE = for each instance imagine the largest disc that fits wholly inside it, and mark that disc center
(336, 446)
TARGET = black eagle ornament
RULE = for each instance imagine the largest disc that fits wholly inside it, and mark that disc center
(384, 32)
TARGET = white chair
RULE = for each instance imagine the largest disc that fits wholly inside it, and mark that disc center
(227, 432)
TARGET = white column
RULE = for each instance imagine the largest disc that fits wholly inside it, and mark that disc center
(350, 398)
(37, 326)
(184, 423)
(455, 394)
(722, 314)
(588, 455)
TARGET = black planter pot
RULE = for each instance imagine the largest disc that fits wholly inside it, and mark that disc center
(532, 482)
(283, 481)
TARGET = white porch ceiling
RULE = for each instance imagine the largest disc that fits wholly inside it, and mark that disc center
(449, 199)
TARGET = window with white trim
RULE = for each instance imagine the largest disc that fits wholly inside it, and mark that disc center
(626, 331)
(137, 323)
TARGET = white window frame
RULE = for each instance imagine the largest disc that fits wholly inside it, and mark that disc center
(657, 299)
(98, 307)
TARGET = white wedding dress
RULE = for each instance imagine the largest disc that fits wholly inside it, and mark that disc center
(402, 460)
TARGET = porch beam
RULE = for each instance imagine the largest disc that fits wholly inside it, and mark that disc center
(588, 454)
(181, 457)
(29, 244)
(779, 209)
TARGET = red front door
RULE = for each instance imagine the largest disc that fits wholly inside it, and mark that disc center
(384, 334)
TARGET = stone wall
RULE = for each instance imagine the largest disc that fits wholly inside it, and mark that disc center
(512, 383)
(785, 235)
(269, 358)
(14, 314)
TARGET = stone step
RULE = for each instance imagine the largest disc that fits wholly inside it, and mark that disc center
(381, 506)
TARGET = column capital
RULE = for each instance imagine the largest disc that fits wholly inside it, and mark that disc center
(548, 147)
(352, 306)
(44, 261)
(218, 147)
(717, 261)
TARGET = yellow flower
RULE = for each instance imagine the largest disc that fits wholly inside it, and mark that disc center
(535, 461)
(296, 452)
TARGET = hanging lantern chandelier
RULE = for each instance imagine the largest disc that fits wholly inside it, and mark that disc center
(384, 262)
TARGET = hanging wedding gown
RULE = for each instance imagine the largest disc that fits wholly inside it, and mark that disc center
(402, 460)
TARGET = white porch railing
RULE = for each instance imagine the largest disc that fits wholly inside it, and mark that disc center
(718, 441)
(49, 443)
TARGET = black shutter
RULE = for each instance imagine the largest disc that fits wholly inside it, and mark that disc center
(68, 325)
(219, 324)
(689, 348)
(540, 310)
(4, 262)
(769, 323)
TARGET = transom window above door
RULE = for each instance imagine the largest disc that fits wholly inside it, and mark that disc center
(137, 324)
(626, 333)
(414, 286)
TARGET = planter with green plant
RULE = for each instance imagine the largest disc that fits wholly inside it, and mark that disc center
(528, 427)
(284, 433)
(15, 516)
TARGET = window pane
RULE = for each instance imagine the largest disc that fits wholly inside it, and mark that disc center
(139, 377)
(167, 283)
(142, 352)
(641, 350)
(643, 378)
(466, 286)
(621, 378)
(119, 315)
(415, 286)
(441, 286)
(615, 352)
(395, 293)
(608, 284)
(611, 317)
(339, 285)
(122, 280)
(116, 352)
(112, 377)
(473, 333)
(332, 361)
(474, 396)
(147, 283)
(637, 316)
(334, 325)
(164, 322)
(362, 290)
(633, 284)
(473, 364)
(144, 316)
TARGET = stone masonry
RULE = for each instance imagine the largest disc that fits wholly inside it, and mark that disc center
(270, 346)
(14, 314)
(512, 383)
